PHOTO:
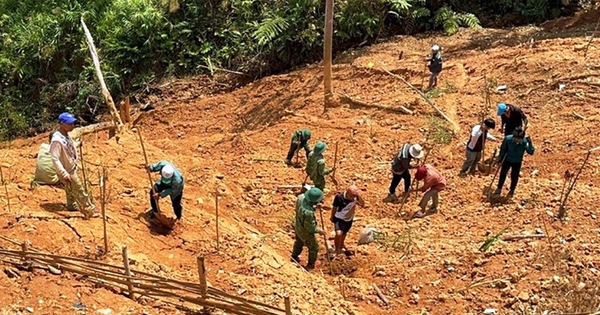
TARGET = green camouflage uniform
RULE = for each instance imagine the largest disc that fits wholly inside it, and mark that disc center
(315, 168)
(305, 227)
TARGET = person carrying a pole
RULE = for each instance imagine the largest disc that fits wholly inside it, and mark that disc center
(170, 184)
(315, 166)
(299, 140)
(305, 226)
(511, 157)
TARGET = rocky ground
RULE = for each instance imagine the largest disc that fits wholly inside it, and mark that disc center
(215, 137)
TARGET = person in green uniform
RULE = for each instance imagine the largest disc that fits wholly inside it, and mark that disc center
(306, 226)
(315, 166)
(299, 140)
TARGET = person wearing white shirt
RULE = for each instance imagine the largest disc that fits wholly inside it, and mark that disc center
(479, 135)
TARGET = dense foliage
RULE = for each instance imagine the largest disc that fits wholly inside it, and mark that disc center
(45, 65)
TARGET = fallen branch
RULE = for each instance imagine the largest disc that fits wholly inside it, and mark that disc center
(591, 38)
(522, 236)
(266, 160)
(107, 97)
(579, 116)
(562, 209)
(456, 127)
(380, 295)
(81, 131)
(347, 98)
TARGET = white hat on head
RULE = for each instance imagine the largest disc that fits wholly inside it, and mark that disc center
(167, 171)
(435, 47)
(416, 151)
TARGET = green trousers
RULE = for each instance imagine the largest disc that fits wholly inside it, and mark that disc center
(76, 196)
(310, 241)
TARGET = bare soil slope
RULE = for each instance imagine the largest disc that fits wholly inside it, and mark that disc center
(213, 139)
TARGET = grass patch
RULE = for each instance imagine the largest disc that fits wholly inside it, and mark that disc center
(439, 131)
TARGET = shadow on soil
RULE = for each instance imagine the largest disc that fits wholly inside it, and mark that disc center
(155, 226)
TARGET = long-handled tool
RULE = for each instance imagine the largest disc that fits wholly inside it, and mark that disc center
(161, 217)
(333, 179)
(488, 189)
(85, 181)
(325, 239)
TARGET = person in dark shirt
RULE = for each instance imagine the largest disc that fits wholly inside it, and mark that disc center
(512, 117)
(434, 64)
(511, 156)
(342, 215)
(400, 169)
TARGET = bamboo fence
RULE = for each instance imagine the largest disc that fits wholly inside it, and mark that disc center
(135, 283)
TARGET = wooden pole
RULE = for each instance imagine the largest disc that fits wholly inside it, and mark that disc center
(5, 189)
(380, 295)
(217, 215)
(109, 101)
(562, 209)
(288, 306)
(128, 273)
(335, 159)
(202, 275)
(437, 109)
(85, 182)
(24, 249)
(139, 131)
(325, 240)
(327, 50)
(103, 180)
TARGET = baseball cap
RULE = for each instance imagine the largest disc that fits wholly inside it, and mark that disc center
(67, 118)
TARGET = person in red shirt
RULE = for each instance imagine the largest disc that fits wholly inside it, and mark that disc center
(433, 183)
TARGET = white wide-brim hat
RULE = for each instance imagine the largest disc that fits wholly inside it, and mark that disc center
(416, 151)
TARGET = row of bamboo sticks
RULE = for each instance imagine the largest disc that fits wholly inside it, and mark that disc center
(138, 283)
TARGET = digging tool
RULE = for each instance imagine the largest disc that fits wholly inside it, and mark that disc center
(415, 184)
(325, 239)
(297, 156)
(488, 189)
(161, 217)
(305, 187)
(333, 179)
(491, 162)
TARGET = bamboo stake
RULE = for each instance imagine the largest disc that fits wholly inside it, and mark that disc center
(128, 272)
(202, 275)
(85, 181)
(5, 189)
(325, 240)
(103, 179)
(335, 158)
(217, 216)
(520, 237)
(109, 101)
(24, 249)
(288, 307)
(439, 111)
(380, 295)
(562, 209)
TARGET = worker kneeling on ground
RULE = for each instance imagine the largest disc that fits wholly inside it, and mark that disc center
(511, 156)
(400, 169)
(64, 157)
(342, 215)
(299, 140)
(306, 226)
(315, 166)
(433, 183)
(170, 184)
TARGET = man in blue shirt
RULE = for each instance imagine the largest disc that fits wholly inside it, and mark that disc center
(170, 184)
(511, 156)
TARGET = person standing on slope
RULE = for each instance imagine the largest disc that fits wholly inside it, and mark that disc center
(305, 226)
(64, 157)
(342, 215)
(433, 183)
(512, 117)
(479, 134)
(315, 166)
(511, 156)
(434, 64)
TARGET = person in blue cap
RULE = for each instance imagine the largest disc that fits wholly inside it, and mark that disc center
(512, 117)
(64, 158)
(170, 184)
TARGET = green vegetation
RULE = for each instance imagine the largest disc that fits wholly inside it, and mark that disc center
(439, 131)
(45, 66)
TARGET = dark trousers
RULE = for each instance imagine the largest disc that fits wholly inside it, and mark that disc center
(396, 180)
(515, 169)
(294, 148)
(175, 201)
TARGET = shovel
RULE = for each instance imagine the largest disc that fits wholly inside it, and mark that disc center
(487, 191)
(159, 216)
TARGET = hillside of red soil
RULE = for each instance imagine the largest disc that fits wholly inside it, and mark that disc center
(214, 138)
